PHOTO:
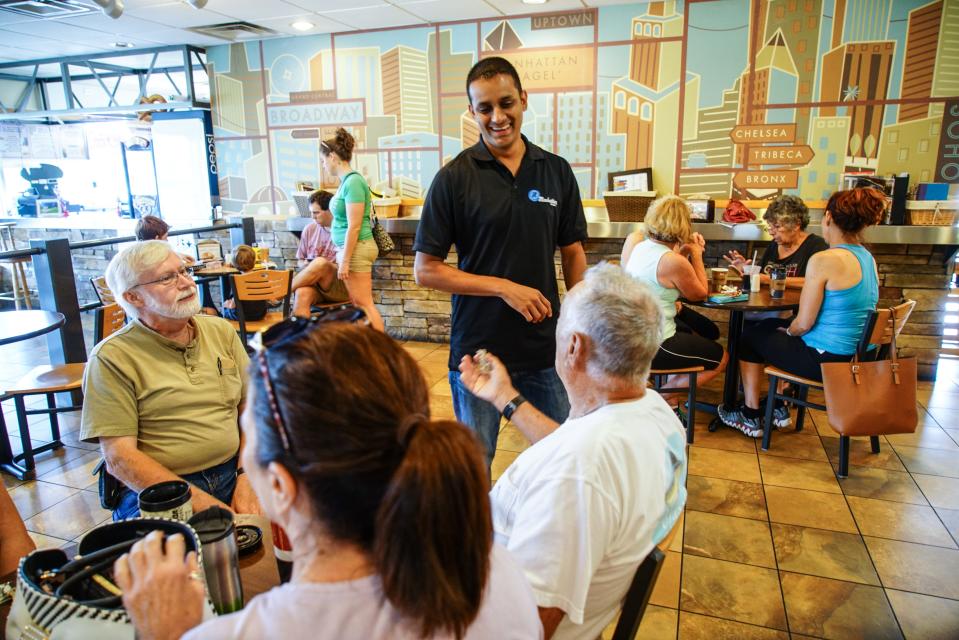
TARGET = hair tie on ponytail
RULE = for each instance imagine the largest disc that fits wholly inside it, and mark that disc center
(408, 428)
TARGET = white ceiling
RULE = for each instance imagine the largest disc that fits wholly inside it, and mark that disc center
(149, 23)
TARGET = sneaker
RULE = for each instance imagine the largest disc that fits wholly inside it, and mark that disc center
(781, 417)
(680, 414)
(737, 419)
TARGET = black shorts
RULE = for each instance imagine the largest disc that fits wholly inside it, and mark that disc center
(764, 342)
(684, 350)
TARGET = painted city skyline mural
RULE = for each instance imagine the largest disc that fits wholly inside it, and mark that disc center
(741, 98)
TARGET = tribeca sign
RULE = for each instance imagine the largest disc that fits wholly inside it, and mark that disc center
(340, 112)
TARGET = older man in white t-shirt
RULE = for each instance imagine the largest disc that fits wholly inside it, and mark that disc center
(585, 504)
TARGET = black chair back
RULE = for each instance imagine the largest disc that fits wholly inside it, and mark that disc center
(637, 597)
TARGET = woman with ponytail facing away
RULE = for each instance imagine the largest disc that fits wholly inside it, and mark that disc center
(387, 510)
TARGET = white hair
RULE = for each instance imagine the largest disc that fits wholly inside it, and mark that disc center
(128, 266)
(620, 317)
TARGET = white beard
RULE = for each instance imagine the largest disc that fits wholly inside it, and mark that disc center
(179, 310)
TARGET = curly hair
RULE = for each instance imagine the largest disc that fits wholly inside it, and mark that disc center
(855, 209)
(341, 144)
(787, 211)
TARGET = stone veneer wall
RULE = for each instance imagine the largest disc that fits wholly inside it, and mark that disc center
(411, 312)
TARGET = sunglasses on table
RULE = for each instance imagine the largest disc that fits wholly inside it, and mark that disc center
(289, 331)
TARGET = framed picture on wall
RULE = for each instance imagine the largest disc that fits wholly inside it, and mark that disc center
(631, 180)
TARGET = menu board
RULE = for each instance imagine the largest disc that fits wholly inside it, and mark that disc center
(9, 141)
(37, 142)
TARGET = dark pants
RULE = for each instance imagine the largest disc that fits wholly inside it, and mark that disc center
(543, 389)
(218, 481)
(764, 342)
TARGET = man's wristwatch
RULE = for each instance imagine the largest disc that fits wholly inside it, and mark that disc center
(512, 406)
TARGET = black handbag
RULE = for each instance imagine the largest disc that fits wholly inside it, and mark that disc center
(110, 488)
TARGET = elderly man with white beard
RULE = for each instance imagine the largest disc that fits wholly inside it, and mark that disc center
(163, 395)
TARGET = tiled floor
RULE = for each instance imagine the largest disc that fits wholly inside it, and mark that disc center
(773, 545)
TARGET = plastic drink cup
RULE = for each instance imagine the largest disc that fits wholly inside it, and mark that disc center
(752, 273)
(777, 283)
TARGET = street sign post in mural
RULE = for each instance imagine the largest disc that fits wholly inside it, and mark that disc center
(783, 154)
(784, 179)
(749, 133)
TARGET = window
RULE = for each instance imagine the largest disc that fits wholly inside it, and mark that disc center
(831, 159)
(810, 64)
(823, 142)
(633, 106)
(780, 12)
(892, 137)
(833, 179)
(924, 175)
(811, 22)
(647, 113)
(638, 30)
(647, 30)
(903, 155)
(620, 99)
(804, 87)
(801, 46)
(657, 30)
(923, 146)
(812, 176)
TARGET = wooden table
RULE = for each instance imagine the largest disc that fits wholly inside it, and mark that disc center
(759, 301)
(257, 571)
(204, 276)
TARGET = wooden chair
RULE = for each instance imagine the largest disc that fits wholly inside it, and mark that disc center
(108, 319)
(263, 285)
(20, 293)
(876, 332)
(47, 380)
(641, 588)
(102, 290)
(658, 378)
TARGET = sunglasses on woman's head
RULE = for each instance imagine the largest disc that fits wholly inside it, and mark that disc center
(288, 331)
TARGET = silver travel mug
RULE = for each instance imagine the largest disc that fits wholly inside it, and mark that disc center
(217, 533)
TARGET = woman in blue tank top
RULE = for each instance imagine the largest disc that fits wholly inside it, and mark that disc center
(840, 291)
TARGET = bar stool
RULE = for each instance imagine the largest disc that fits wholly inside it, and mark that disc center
(47, 380)
(21, 289)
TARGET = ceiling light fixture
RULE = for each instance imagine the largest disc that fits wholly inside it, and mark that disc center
(111, 8)
(535, 1)
(302, 25)
(197, 4)
(123, 45)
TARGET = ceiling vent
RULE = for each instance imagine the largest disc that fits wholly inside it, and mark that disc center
(47, 8)
(238, 30)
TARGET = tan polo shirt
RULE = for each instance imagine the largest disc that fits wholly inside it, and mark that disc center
(180, 402)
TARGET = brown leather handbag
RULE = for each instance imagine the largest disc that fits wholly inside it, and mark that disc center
(871, 398)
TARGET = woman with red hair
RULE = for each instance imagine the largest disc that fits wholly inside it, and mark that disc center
(841, 289)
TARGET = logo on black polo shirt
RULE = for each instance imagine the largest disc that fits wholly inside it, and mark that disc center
(535, 196)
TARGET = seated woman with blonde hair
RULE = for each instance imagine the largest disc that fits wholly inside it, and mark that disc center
(670, 262)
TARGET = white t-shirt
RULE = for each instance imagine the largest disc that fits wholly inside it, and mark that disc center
(585, 505)
(357, 609)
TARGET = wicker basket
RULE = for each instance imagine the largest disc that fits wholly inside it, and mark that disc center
(627, 206)
(387, 207)
(931, 212)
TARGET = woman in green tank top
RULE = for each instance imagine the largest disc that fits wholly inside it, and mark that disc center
(351, 229)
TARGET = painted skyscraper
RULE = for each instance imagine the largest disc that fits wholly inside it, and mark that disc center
(406, 89)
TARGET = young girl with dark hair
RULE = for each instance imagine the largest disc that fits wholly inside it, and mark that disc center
(387, 510)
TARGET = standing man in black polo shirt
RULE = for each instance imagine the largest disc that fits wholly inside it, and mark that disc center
(507, 205)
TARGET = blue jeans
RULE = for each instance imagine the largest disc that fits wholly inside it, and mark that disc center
(218, 481)
(543, 389)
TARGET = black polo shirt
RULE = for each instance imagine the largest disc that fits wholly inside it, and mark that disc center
(509, 228)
